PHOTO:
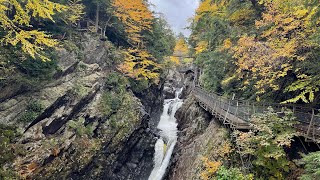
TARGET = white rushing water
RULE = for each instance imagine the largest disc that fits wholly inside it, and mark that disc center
(168, 137)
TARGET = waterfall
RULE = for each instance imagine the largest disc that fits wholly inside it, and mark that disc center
(168, 137)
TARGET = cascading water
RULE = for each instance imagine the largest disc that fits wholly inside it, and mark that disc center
(168, 137)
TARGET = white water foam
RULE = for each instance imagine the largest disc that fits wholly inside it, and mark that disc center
(168, 135)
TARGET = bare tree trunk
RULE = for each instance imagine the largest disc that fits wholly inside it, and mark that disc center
(106, 26)
(97, 17)
(254, 2)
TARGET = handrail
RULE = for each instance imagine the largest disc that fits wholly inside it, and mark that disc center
(237, 113)
(251, 103)
(246, 110)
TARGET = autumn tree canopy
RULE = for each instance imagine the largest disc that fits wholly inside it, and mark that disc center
(135, 16)
(180, 51)
(17, 22)
(266, 47)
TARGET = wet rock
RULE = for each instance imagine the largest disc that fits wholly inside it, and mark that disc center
(199, 136)
(169, 92)
(187, 85)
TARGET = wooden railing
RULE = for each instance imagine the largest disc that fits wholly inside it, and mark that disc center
(89, 25)
(184, 69)
(237, 113)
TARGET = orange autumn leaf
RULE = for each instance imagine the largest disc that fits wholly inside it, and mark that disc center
(135, 16)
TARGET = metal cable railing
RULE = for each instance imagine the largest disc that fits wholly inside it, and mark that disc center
(308, 118)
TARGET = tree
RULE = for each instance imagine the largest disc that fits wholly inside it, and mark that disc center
(137, 19)
(271, 45)
(180, 51)
(161, 40)
(286, 26)
(135, 16)
(17, 22)
(269, 135)
(311, 164)
(139, 64)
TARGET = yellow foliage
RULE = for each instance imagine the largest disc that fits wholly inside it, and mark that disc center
(32, 42)
(225, 149)
(75, 11)
(136, 17)
(201, 46)
(44, 9)
(174, 60)
(286, 24)
(242, 16)
(19, 32)
(139, 64)
(214, 8)
(264, 60)
(210, 168)
(181, 49)
(227, 44)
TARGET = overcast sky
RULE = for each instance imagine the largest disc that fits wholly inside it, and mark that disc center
(177, 12)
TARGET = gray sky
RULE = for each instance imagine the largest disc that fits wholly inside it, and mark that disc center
(177, 12)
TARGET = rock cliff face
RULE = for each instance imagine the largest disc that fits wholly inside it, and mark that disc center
(200, 136)
(175, 79)
(75, 135)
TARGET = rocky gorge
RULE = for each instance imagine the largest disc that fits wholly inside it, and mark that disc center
(75, 127)
(113, 89)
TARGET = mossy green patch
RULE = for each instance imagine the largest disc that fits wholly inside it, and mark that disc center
(33, 110)
(79, 127)
(8, 151)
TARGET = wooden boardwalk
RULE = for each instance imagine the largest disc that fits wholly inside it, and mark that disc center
(237, 114)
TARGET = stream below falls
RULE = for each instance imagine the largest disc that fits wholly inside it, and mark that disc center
(168, 136)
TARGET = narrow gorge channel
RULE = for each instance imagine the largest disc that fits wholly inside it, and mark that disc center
(168, 136)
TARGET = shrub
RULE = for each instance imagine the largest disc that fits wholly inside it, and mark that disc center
(210, 168)
(33, 110)
(231, 173)
(35, 68)
(214, 170)
(79, 127)
(80, 90)
(311, 164)
(8, 135)
(110, 102)
(138, 86)
(269, 135)
(116, 81)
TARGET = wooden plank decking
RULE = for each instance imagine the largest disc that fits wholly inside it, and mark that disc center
(237, 113)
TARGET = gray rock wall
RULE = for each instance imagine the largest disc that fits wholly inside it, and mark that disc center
(120, 144)
(200, 136)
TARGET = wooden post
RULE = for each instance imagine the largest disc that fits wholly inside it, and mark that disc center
(311, 122)
(248, 107)
(314, 132)
(215, 106)
(236, 114)
(226, 116)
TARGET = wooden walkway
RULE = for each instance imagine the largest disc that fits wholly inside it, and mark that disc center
(237, 114)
